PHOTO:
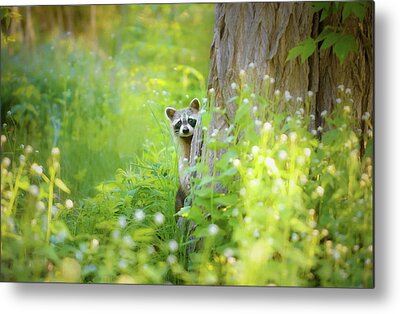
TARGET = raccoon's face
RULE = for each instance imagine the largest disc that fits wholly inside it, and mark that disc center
(184, 121)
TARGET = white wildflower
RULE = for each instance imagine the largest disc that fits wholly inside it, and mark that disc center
(282, 155)
(28, 149)
(213, 229)
(233, 86)
(159, 218)
(171, 259)
(69, 204)
(37, 169)
(307, 152)
(235, 212)
(236, 163)
(173, 245)
(294, 237)
(115, 234)
(139, 215)
(267, 127)
(277, 92)
(323, 113)
(95, 243)
(288, 96)
(34, 190)
(254, 183)
(228, 252)
(303, 179)
(270, 163)
(256, 233)
(122, 221)
(320, 191)
(6, 162)
(255, 150)
(293, 136)
(55, 151)
(214, 133)
(40, 206)
(128, 240)
(301, 160)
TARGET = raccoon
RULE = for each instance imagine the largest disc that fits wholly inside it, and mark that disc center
(183, 123)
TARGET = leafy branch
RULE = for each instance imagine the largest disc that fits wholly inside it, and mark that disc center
(341, 42)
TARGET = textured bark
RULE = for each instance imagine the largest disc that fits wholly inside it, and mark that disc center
(263, 34)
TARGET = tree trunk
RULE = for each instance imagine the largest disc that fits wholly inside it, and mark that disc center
(263, 34)
(29, 31)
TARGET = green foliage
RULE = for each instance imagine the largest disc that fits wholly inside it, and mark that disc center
(281, 214)
(304, 49)
(336, 36)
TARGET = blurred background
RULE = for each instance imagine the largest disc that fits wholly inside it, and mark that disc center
(94, 81)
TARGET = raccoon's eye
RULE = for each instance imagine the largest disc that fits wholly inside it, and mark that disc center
(178, 124)
(192, 122)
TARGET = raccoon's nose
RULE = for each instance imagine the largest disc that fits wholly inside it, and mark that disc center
(185, 130)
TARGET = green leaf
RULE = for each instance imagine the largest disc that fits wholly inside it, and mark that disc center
(308, 49)
(227, 200)
(357, 8)
(294, 53)
(325, 32)
(62, 186)
(304, 49)
(330, 40)
(324, 15)
(344, 45)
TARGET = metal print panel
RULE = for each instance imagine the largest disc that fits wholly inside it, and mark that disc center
(188, 144)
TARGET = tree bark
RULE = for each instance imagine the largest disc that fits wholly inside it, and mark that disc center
(29, 31)
(263, 34)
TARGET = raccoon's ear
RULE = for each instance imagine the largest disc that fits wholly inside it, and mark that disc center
(195, 104)
(170, 112)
